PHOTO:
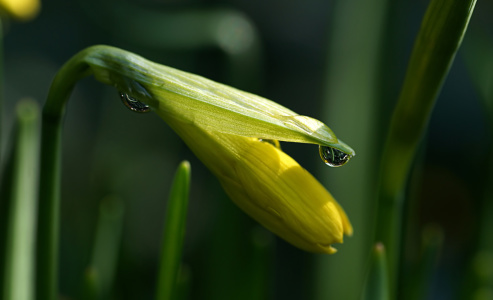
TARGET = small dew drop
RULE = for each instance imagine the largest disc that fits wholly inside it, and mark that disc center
(332, 156)
(134, 104)
(274, 143)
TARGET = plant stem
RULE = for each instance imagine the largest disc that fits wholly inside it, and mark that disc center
(49, 192)
(438, 40)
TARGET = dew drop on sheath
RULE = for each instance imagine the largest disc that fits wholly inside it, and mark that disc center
(332, 156)
(134, 104)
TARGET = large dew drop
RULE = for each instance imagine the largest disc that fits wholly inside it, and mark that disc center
(333, 157)
(134, 104)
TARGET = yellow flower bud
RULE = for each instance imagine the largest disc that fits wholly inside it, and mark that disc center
(223, 127)
(269, 186)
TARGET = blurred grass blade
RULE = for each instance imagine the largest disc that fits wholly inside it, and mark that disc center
(174, 233)
(352, 100)
(106, 247)
(438, 40)
(377, 284)
(182, 289)
(20, 191)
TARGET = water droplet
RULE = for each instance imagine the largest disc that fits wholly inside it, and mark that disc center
(274, 143)
(332, 156)
(134, 104)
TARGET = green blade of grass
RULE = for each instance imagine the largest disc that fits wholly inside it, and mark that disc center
(438, 40)
(101, 272)
(174, 233)
(377, 285)
(351, 103)
(18, 259)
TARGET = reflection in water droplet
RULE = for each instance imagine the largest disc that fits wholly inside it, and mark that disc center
(274, 143)
(332, 156)
(134, 104)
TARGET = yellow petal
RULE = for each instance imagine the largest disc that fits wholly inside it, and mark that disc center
(23, 10)
(271, 187)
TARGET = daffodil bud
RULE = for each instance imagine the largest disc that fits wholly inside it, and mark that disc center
(208, 104)
(270, 186)
(225, 127)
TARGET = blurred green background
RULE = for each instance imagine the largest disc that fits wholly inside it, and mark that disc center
(297, 53)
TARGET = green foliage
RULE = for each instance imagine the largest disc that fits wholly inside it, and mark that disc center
(231, 257)
(436, 45)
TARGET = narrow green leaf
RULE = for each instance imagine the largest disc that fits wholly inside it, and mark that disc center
(18, 259)
(377, 285)
(174, 233)
(438, 40)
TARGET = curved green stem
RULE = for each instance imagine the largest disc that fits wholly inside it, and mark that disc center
(49, 190)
